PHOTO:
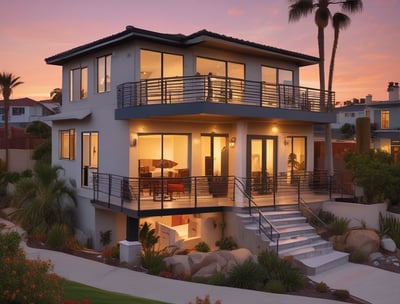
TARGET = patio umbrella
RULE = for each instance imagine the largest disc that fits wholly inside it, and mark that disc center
(164, 163)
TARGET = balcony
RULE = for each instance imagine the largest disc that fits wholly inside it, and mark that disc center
(220, 90)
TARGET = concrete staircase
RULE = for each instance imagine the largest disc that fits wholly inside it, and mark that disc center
(298, 239)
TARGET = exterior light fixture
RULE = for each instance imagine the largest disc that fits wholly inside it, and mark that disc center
(232, 142)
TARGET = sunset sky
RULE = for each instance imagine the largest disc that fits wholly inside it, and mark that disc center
(30, 30)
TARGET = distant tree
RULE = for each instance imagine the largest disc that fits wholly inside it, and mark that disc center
(56, 95)
(347, 131)
(7, 83)
(41, 152)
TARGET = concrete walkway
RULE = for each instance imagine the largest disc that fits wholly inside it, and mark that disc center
(367, 283)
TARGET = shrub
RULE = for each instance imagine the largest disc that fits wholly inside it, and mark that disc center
(153, 262)
(358, 256)
(105, 238)
(278, 269)
(56, 237)
(246, 275)
(115, 252)
(322, 287)
(390, 226)
(341, 294)
(275, 286)
(218, 279)
(25, 281)
(339, 226)
(206, 300)
(202, 247)
(226, 243)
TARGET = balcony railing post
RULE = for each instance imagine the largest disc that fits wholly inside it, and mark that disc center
(109, 190)
(195, 191)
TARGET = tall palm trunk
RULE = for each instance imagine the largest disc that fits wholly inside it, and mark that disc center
(6, 95)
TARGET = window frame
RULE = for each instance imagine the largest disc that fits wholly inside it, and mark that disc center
(69, 136)
(20, 112)
(93, 152)
(103, 73)
(385, 119)
(81, 81)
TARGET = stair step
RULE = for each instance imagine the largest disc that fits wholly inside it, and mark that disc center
(307, 250)
(286, 221)
(281, 214)
(296, 241)
(316, 265)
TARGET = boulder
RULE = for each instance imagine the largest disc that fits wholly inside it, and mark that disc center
(179, 265)
(207, 272)
(210, 258)
(242, 254)
(364, 240)
(388, 244)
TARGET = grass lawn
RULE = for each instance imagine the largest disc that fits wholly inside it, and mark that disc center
(79, 292)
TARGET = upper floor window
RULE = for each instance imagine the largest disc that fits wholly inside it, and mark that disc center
(103, 74)
(67, 144)
(384, 119)
(204, 66)
(276, 75)
(159, 65)
(17, 111)
(78, 84)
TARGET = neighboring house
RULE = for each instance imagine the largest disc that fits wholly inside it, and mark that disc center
(25, 110)
(384, 117)
(162, 128)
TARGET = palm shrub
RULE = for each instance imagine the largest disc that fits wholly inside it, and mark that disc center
(57, 236)
(202, 247)
(45, 199)
(247, 275)
(339, 226)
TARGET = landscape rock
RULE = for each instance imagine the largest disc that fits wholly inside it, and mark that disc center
(388, 244)
(364, 240)
(179, 265)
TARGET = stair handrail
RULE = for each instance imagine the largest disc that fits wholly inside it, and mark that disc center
(261, 218)
(303, 204)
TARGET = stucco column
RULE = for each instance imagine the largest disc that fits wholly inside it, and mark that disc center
(132, 229)
(240, 157)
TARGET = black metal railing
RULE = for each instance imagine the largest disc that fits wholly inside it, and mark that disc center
(206, 88)
(158, 193)
(265, 227)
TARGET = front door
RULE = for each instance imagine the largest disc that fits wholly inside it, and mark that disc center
(261, 163)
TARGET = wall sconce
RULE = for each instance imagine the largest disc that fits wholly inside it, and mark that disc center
(133, 141)
(232, 142)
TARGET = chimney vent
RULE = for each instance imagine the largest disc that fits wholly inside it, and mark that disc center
(393, 89)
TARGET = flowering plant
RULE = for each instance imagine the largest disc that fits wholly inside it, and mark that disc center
(206, 300)
(25, 281)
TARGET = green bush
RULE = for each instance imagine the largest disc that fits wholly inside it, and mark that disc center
(218, 279)
(115, 252)
(322, 287)
(390, 226)
(202, 247)
(246, 275)
(339, 226)
(25, 281)
(275, 286)
(153, 262)
(341, 294)
(226, 243)
(282, 270)
(57, 236)
(358, 256)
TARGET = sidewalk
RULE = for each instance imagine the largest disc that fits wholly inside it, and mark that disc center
(368, 283)
(139, 284)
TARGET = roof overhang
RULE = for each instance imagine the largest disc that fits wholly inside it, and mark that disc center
(76, 115)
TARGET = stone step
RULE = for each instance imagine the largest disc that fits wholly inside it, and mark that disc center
(281, 214)
(319, 264)
(307, 250)
(288, 221)
(296, 241)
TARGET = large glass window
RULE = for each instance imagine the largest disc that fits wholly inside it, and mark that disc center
(225, 80)
(161, 65)
(165, 155)
(78, 84)
(276, 76)
(90, 152)
(67, 144)
(103, 74)
(385, 119)
(18, 111)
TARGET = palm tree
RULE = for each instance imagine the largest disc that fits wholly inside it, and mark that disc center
(44, 200)
(302, 8)
(56, 95)
(340, 21)
(7, 83)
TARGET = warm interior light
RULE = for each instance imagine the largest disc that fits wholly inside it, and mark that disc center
(232, 142)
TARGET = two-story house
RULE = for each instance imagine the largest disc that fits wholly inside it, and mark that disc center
(174, 129)
(384, 118)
